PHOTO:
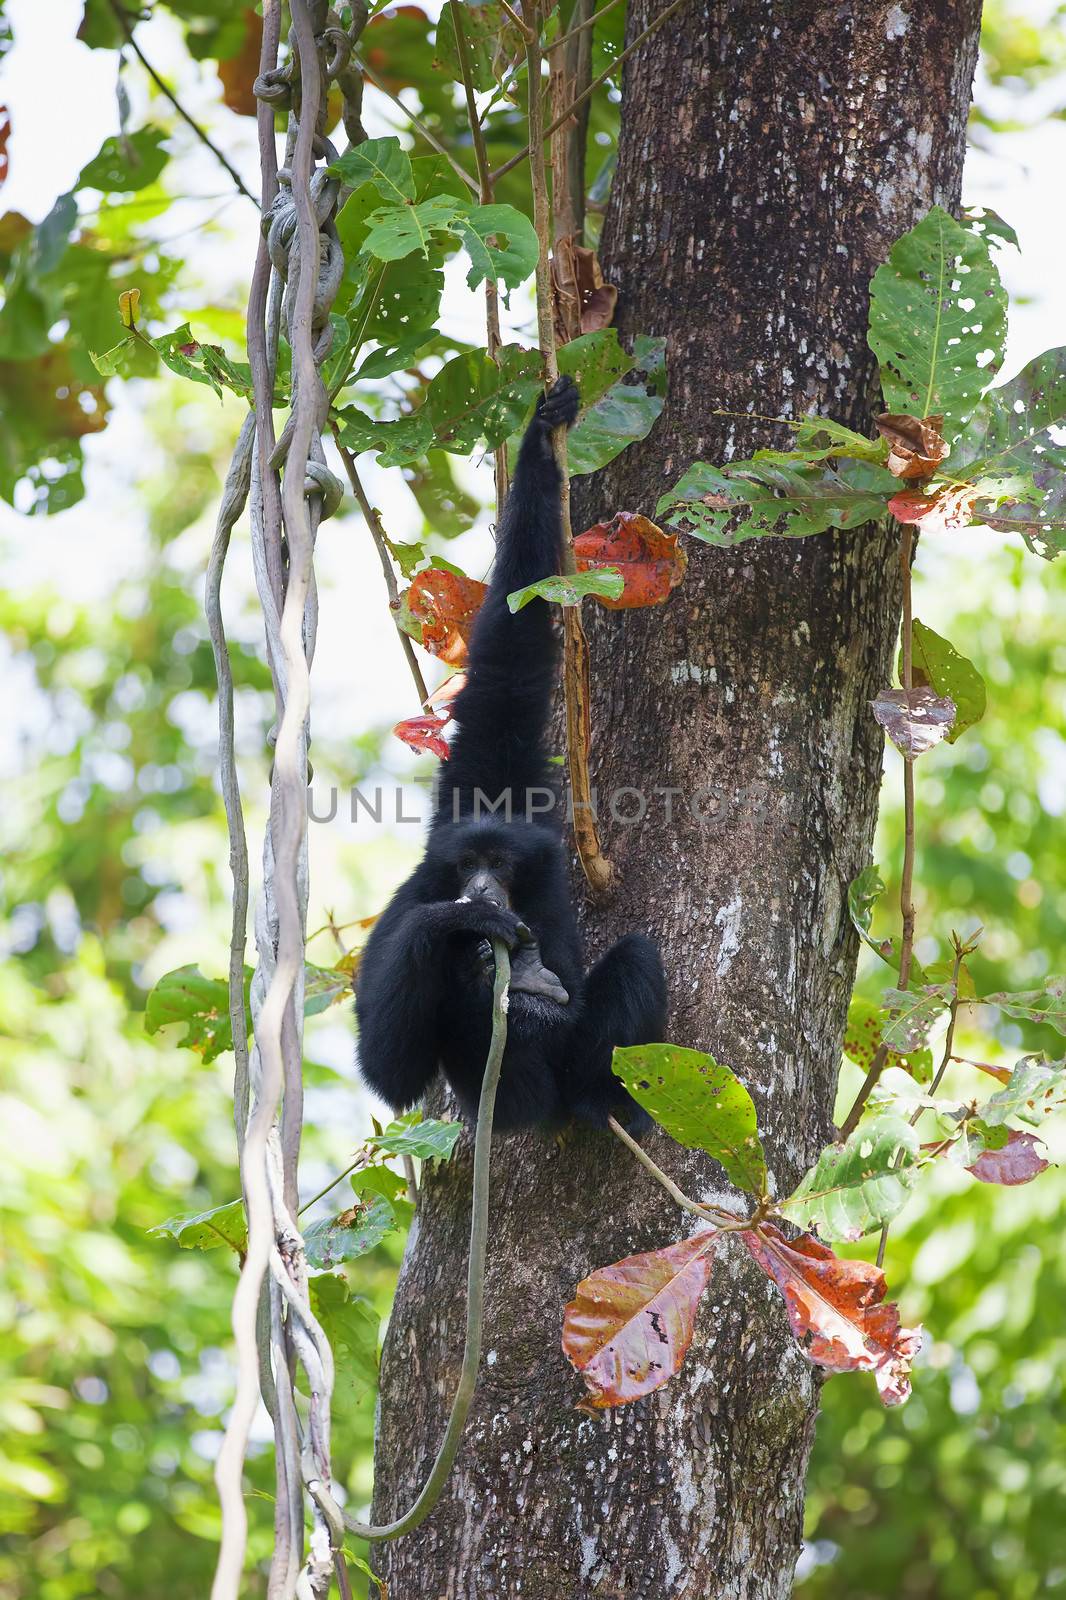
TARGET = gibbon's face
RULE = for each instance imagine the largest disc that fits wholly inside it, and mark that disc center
(494, 858)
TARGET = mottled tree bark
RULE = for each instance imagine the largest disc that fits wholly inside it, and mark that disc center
(771, 152)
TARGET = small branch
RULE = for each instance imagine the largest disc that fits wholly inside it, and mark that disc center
(523, 27)
(579, 27)
(652, 27)
(123, 20)
(727, 1221)
(377, 533)
(420, 128)
(475, 1277)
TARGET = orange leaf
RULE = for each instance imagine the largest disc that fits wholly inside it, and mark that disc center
(835, 1310)
(942, 512)
(238, 72)
(629, 1325)
(424, 733)
(917, 444)
(442, 606)
(5, 134)
(651, 562)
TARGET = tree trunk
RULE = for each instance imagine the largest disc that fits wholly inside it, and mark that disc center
(770, 155)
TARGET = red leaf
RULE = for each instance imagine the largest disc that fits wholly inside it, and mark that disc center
(5, 134)
(238, 72)
(651, 562)
(424, 733)
(629, 1325)
(835, 1310)
(440, 608)
(942, 512)
(917, 444)
(1019, 1161)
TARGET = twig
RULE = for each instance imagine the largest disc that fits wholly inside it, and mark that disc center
(377, 533)
(727, 1221)
(664, 16)
(906, 890)
(123, 20)
(523, 27)
(579, 27)
(427, 134)
(485, 190)
(475, 1276)
(594, 863)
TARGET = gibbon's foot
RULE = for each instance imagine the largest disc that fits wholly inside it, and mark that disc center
(529, 975)
(560, 405)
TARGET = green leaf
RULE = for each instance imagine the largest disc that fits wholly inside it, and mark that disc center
(1037, 1087)
(201, 1004)
(1009, 450)
(938, 664)
(569, 589)
(473, 397)
(415, 1135)
(407, 439)
(351, 1234)
(492, 41)
(699, 1103)
(323, 987)
(857, 1186)
(203, 363)
(351, 1325)
(501, 243)
(379, 1180)
(822, 439)
(130, 358)
(863, 894)
(382, 162)
(936, 305)
(397, 231)
(914, 1014)
(222, 1225)
(1034, 1005)
(624, 413)
(862, 1036)
(126, 164)
(390, 358)
(774, 496)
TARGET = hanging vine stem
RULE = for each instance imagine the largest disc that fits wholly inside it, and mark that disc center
(594, 863)
(906, 890)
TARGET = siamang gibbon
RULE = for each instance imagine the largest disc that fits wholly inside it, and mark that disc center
(424, 985)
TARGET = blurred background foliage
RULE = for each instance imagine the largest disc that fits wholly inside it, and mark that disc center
(114, 1365)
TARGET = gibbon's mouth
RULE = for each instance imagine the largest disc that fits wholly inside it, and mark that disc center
(484, 885)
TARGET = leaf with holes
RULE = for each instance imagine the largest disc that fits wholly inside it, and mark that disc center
(382, 162)
(492, 41)
(352, 1326)
(836, 1310)
(1018, 1161)
(201, 1004)
(425, 734)
(1010, 449)
(860, 1184)
(629, 1325)
(651, 562)
(222, 1225)
(936, 664)
(700, 1104)
(438, 610)
(822, 439)
(913, 1014)
(501, 243)
(625, 411)
(351, 1234)
(936, 307)
(474, 397)
(862, 1037)
(914, 719)
(569, 589)
(944, 509)
(773, 496)
(397, 443)
(1035, 1089)
(1034, 1005)
(397, 231)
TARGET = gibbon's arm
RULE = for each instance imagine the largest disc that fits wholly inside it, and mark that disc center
(401, 985)
(504, 708)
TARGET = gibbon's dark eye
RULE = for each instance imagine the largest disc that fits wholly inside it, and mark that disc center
(467, 864)
(495, 862)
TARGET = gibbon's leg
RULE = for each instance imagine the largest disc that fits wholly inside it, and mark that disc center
(624, 1003)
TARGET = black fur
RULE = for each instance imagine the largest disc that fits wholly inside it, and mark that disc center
(425, 985)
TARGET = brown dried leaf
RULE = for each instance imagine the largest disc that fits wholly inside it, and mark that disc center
(651, 562)
(439, 610)
(5, 134)
(835, 1310)
(914, 719)
(1018, 1161)
(916, 444)
(583, 302)
(238, 72)
(629, 1325)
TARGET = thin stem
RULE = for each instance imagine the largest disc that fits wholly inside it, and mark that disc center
(579, 27)
(475, 1277)
(359, 1161)
(652, 27)
(420, 128)
(727, 1221)
(123, 20)
(523, 27)
(377, 533)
